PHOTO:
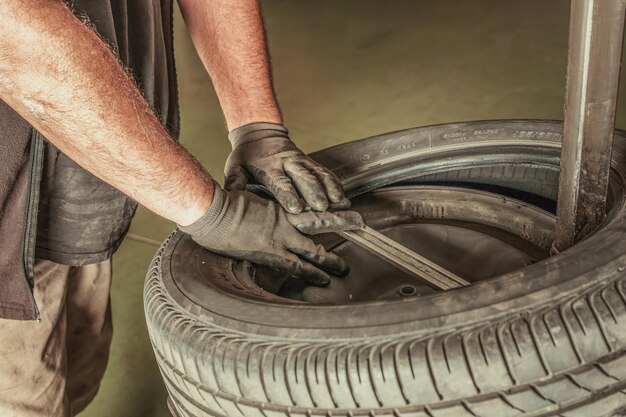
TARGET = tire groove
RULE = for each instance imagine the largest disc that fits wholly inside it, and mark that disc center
(537, 391)
(213, 363)
(600, 367)
(468, 408)
(238, 379)
(381, 351)
(262, 381)
(568, 329)
(578, 318)
(608, 305)
(290, 350)
(307, 375)
(445, 353)
(509, 368)
(468, 361)
(540, 355)
(575, 381)
(410, 355)
(396, 367)
(620, 290)
(347, 368)
(431, 370)
(370, 367)
(506, 400)
(482, 346)
(601, 327)
(328, 376)
(514, 338)
(549, 329)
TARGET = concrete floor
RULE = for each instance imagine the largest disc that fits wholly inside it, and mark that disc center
(347, 70)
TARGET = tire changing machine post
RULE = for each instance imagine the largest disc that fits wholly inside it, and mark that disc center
(596, 35)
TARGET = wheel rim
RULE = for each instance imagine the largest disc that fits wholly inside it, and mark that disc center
(475, 234)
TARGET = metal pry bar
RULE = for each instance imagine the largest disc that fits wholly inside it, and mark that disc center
(403, 258)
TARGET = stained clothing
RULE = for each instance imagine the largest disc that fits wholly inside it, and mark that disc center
(75, 218)
(54, 368)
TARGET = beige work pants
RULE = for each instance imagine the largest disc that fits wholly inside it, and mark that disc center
(54, 368)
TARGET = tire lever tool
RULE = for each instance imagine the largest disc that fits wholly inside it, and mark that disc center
(403, 258)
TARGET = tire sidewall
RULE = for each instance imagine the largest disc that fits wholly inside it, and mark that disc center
(365, 165)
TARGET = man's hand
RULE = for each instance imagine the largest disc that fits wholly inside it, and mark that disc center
(242, 225)
(264, 152)
(230, 39)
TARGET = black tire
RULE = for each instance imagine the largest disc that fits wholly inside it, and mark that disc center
(545, 340)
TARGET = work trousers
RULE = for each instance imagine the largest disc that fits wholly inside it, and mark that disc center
(53, 368)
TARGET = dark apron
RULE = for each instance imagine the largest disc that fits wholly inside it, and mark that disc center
(80, 219)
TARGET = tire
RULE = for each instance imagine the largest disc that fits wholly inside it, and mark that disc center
(546, 340)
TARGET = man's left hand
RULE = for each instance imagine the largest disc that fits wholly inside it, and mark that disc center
(265, 153)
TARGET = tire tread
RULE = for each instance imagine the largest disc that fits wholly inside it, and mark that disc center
(379, 364)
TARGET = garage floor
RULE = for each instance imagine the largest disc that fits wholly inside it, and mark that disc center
(347, 70)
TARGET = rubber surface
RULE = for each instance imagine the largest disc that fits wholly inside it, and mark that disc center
(547, 340)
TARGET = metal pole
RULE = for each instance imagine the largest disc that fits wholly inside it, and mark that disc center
(595, 51)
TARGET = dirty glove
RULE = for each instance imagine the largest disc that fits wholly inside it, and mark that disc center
(264, 152)
(242, 225)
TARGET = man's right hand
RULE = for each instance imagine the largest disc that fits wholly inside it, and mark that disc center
(242, 225)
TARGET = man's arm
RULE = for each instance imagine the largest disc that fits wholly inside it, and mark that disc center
(65, 81)
(62, 78)
(230, 40)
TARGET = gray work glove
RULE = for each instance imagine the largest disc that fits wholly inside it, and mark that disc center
(264, 152)
(244, 226)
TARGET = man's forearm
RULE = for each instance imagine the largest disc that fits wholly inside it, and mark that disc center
(59, 75)
(230, 39)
